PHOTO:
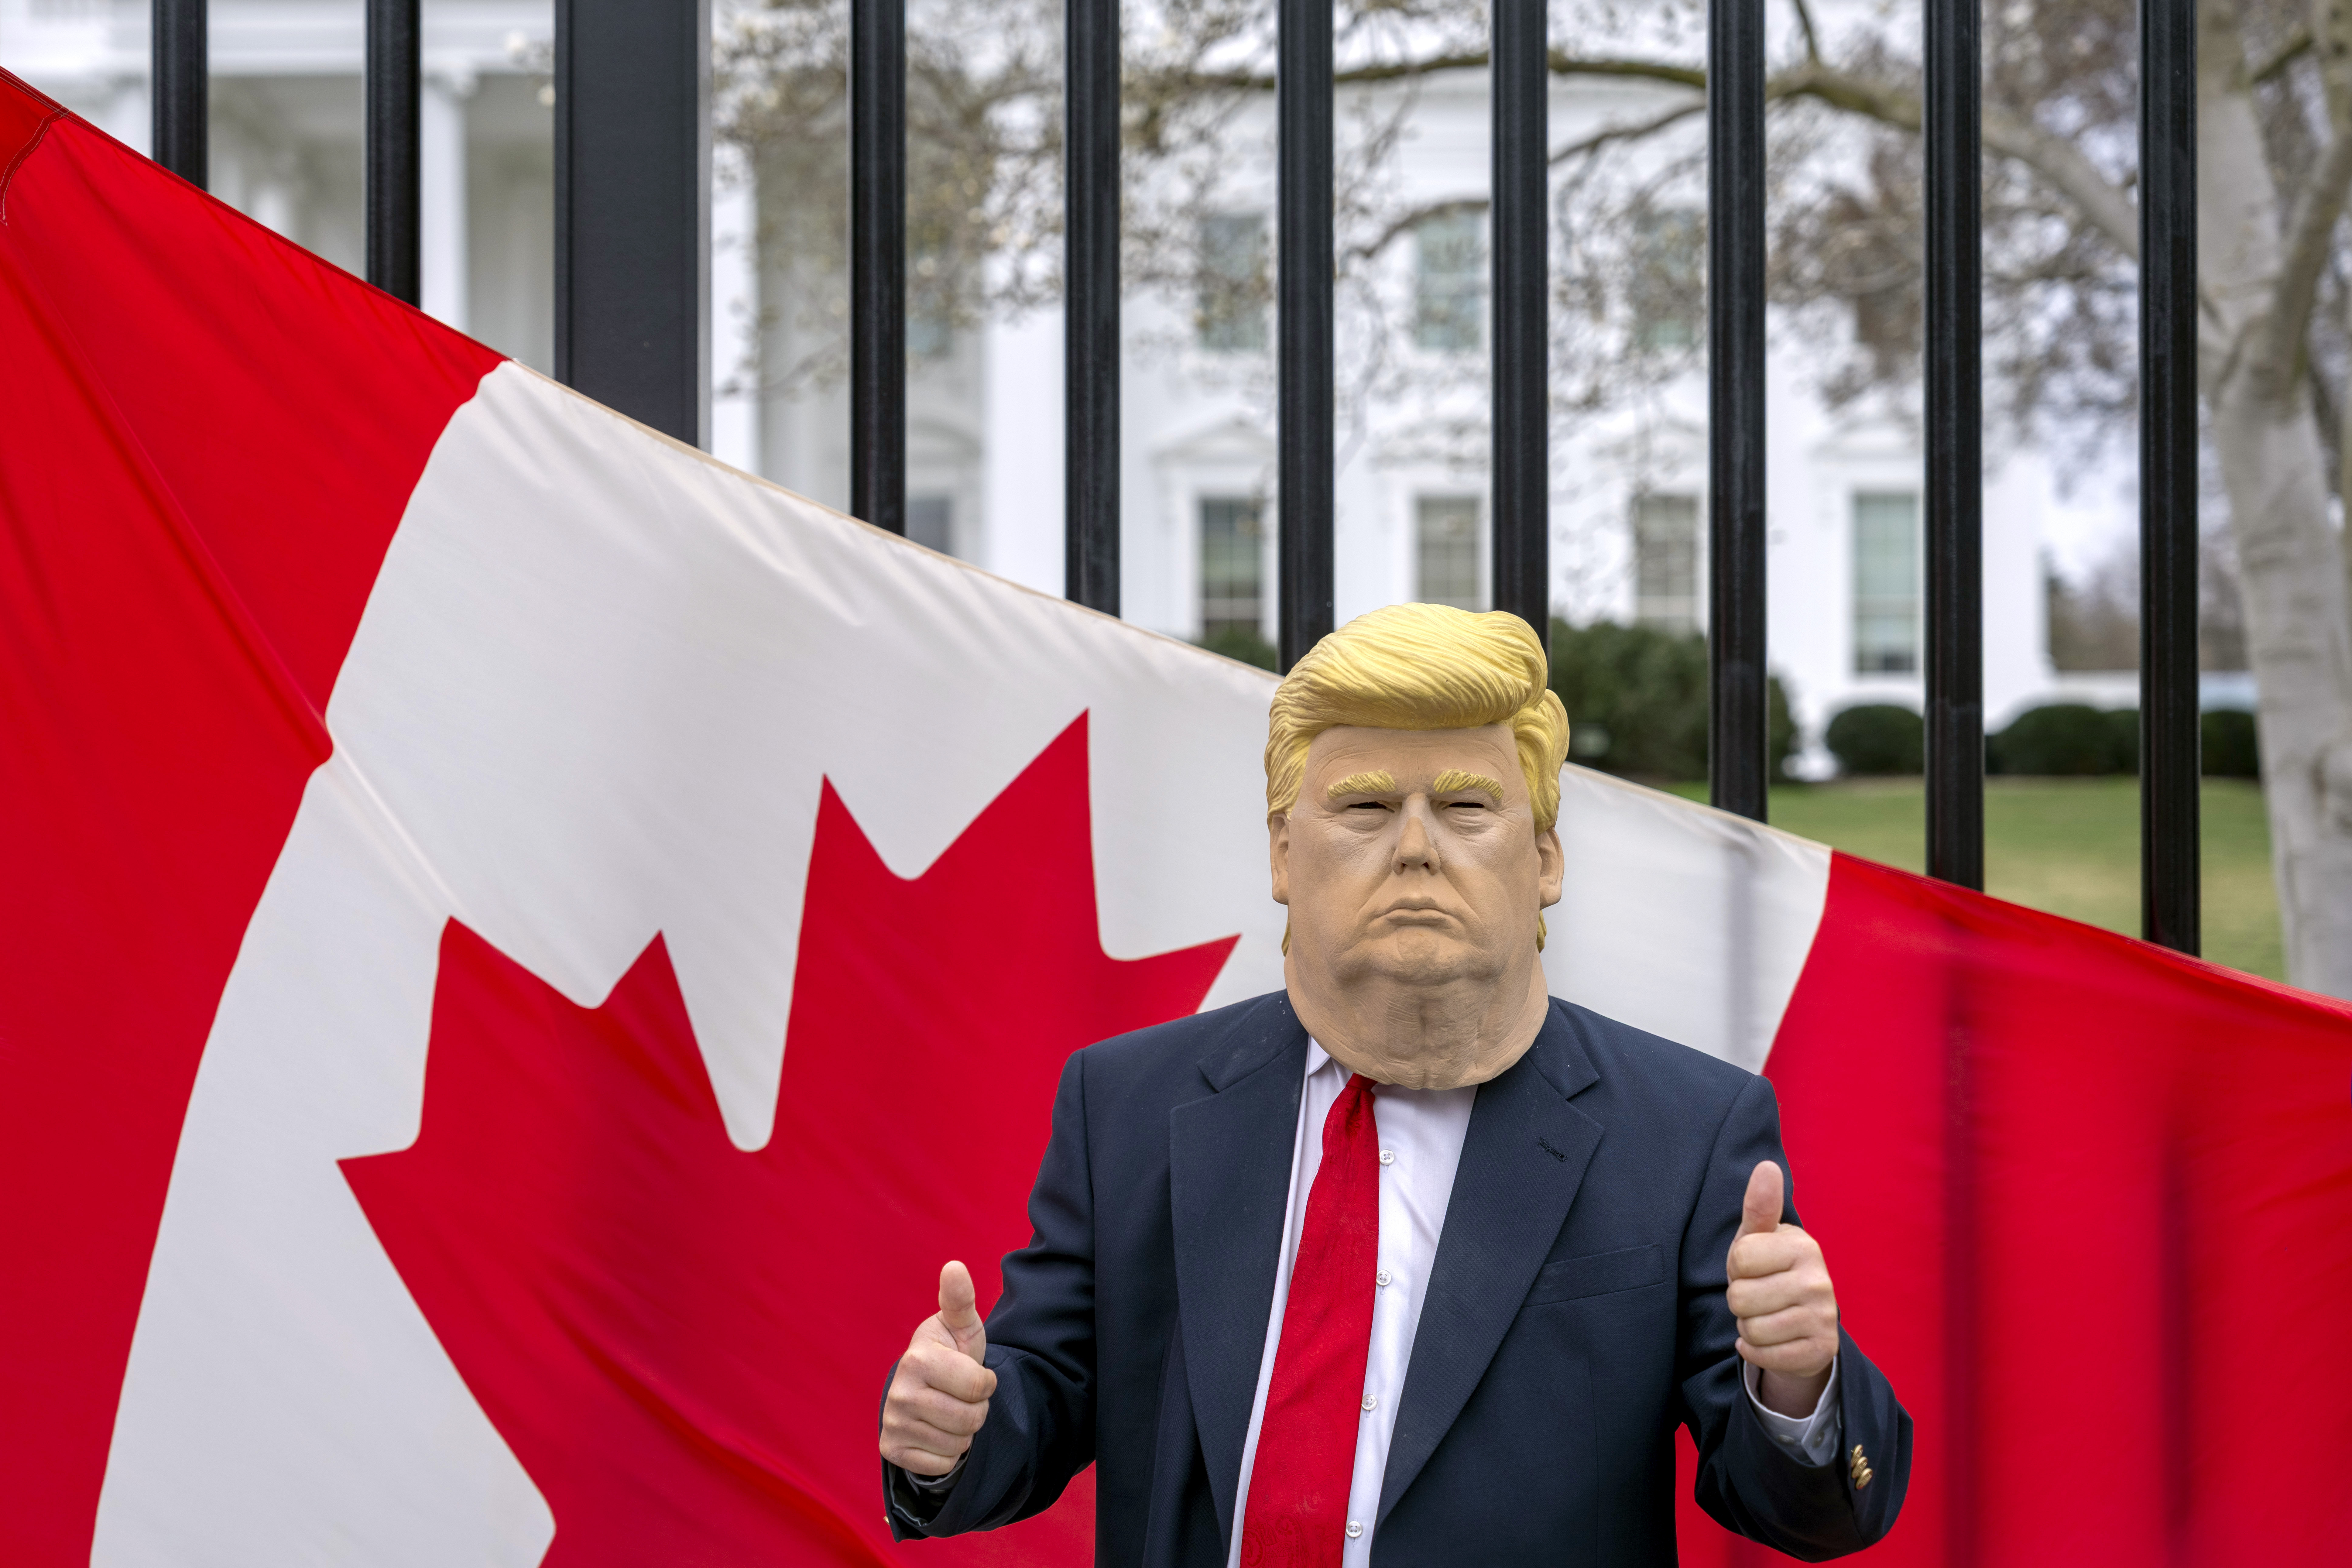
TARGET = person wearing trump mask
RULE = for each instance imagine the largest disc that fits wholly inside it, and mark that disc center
(1408, 1262)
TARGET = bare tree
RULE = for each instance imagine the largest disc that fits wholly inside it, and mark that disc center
(2274, 134)
(2275, 125)
(2094, 616)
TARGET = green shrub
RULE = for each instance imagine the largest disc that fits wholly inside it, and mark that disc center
(1779, 728)
(2227, 737)
(1243, 644)
(1637, 701)
(2122, 738)
(2066, 739)
(1876, 738)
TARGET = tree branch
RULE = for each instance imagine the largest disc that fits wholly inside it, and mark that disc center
(2295, 45)
(2310, 237)
(1805, 23)
(2053, 158)
(1386, 70)
(1408, 221)
(1561, 63)
(1638, 128)
(2056, 160)
(1565, 64)
(2061, 164)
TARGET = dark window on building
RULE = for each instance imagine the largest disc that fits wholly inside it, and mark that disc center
(1448, 546)
(1886, 583)
(1666, 563)
(930, 307)
(1233, 567)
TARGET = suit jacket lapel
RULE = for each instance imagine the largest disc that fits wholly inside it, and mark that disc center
(1522, 1161)
(1229, 1185)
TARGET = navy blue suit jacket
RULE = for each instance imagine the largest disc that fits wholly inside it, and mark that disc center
(1574, 1316)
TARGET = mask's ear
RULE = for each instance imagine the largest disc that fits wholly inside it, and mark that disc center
(1277, 857)
(1551, 871)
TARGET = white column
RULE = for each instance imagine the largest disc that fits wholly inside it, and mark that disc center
(734, 309)
(441, 229)
(1022, 505)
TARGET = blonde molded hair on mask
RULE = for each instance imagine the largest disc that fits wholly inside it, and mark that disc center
(1422, 666)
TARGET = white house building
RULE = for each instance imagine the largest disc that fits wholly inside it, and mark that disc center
(984, 427)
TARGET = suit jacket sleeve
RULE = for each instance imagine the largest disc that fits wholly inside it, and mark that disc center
(1040, 1430)
(1747, 1482)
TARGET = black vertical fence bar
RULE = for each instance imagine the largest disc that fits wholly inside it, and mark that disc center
(1521, 463)
(392, 152)
(877, 262)
(1090, 306)
(632, 207)
(1304, 478)
(180, 89)
(1955, 671)
(1735, 712)
(2168, 758)
(1955, 489)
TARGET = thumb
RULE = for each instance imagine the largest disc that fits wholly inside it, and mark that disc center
(1760, 1212)
(960, 1311)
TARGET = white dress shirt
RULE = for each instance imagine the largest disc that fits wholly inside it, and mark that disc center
(1421, 1132)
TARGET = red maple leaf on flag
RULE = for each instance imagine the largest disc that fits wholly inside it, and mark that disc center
(684, 1344)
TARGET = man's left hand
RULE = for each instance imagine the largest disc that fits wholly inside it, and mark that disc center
(1781, 1293)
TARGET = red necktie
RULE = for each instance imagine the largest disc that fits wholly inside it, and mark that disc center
(1297, 1514)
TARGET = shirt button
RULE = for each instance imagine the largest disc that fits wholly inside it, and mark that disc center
(1381, 1277)
(1355, 1528)
(1371, 1400)
(1387, 1156)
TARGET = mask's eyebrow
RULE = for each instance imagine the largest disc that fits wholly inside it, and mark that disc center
(1363, 783)
(1453, 781)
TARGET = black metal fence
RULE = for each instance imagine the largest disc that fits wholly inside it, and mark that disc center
(632, 154)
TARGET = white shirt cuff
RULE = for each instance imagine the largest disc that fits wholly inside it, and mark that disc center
(1813, 1439)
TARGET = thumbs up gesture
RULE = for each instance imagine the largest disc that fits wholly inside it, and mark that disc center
(1781, 1294)
(938, 1396)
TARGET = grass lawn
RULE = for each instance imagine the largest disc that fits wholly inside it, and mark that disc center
(2068, 846)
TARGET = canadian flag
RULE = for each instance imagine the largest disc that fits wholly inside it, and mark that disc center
(499, 907)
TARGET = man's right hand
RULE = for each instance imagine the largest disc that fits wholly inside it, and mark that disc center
(939, 1395)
